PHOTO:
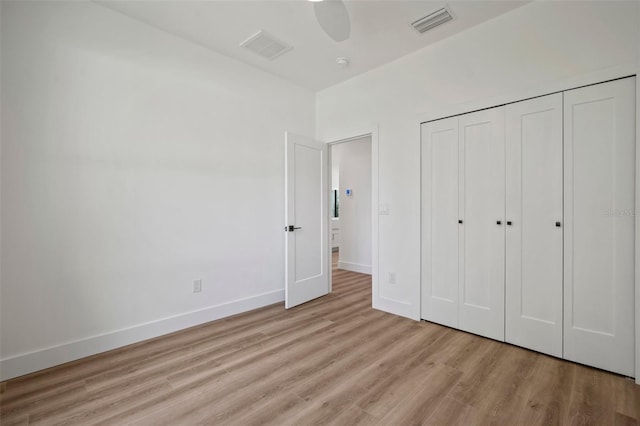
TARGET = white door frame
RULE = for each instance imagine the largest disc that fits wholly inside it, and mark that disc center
(637, 216)
(361, 133)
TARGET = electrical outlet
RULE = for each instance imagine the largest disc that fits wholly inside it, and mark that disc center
(392, 277)
(197, 286)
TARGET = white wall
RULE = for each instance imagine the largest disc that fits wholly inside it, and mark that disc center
(133, 163)
(531, 49)
(354, 165)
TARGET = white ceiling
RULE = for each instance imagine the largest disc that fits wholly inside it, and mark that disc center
(380, 31)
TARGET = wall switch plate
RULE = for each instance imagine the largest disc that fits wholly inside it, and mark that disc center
(197, 286)
(392, 277)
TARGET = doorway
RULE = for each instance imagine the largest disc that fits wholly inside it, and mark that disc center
(351, 213)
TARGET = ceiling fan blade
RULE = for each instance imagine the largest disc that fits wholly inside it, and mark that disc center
(333, 17)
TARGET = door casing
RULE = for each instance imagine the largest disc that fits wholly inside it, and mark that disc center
(373, 133)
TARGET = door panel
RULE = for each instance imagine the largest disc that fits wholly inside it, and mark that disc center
(306, 269)
(599, 233)
(533, 241)
(307, 211)
(481, 240)
(440, 222)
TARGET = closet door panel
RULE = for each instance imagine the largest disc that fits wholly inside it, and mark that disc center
(533, 241)
(599, 232)
(481, 198)
(439, 147)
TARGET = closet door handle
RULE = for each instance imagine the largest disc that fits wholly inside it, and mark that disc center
(509, 223)
(459, 220)
(558, 224)
(498, 222)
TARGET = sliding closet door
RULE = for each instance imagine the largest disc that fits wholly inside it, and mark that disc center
(481, 198)
(440, 221)
(599, 231)
(534, 238)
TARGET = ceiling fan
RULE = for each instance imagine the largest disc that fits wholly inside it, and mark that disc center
(333, 17)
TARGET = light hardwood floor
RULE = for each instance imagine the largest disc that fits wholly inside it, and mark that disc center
(331, 361)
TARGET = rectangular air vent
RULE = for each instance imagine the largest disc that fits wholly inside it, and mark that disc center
(432, 20)
(265, 45)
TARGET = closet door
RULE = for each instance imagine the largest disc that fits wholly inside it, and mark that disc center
(481, 239)
(439, 148)
(599, 232)
(534, 238)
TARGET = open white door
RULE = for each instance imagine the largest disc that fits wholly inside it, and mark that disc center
(306, 263)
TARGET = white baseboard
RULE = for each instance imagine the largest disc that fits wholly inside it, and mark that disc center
(38, 360)
(397, 307)
(354, 267)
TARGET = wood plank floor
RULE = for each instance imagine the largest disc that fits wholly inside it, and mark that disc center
(331, 361)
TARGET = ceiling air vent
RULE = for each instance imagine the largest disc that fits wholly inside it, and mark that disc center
(432, 20)
(265, 45)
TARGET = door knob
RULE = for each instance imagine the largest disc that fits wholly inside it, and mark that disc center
(509, 223)
(558, 224)
(498, 222)
(291, 228)
(459, 220)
